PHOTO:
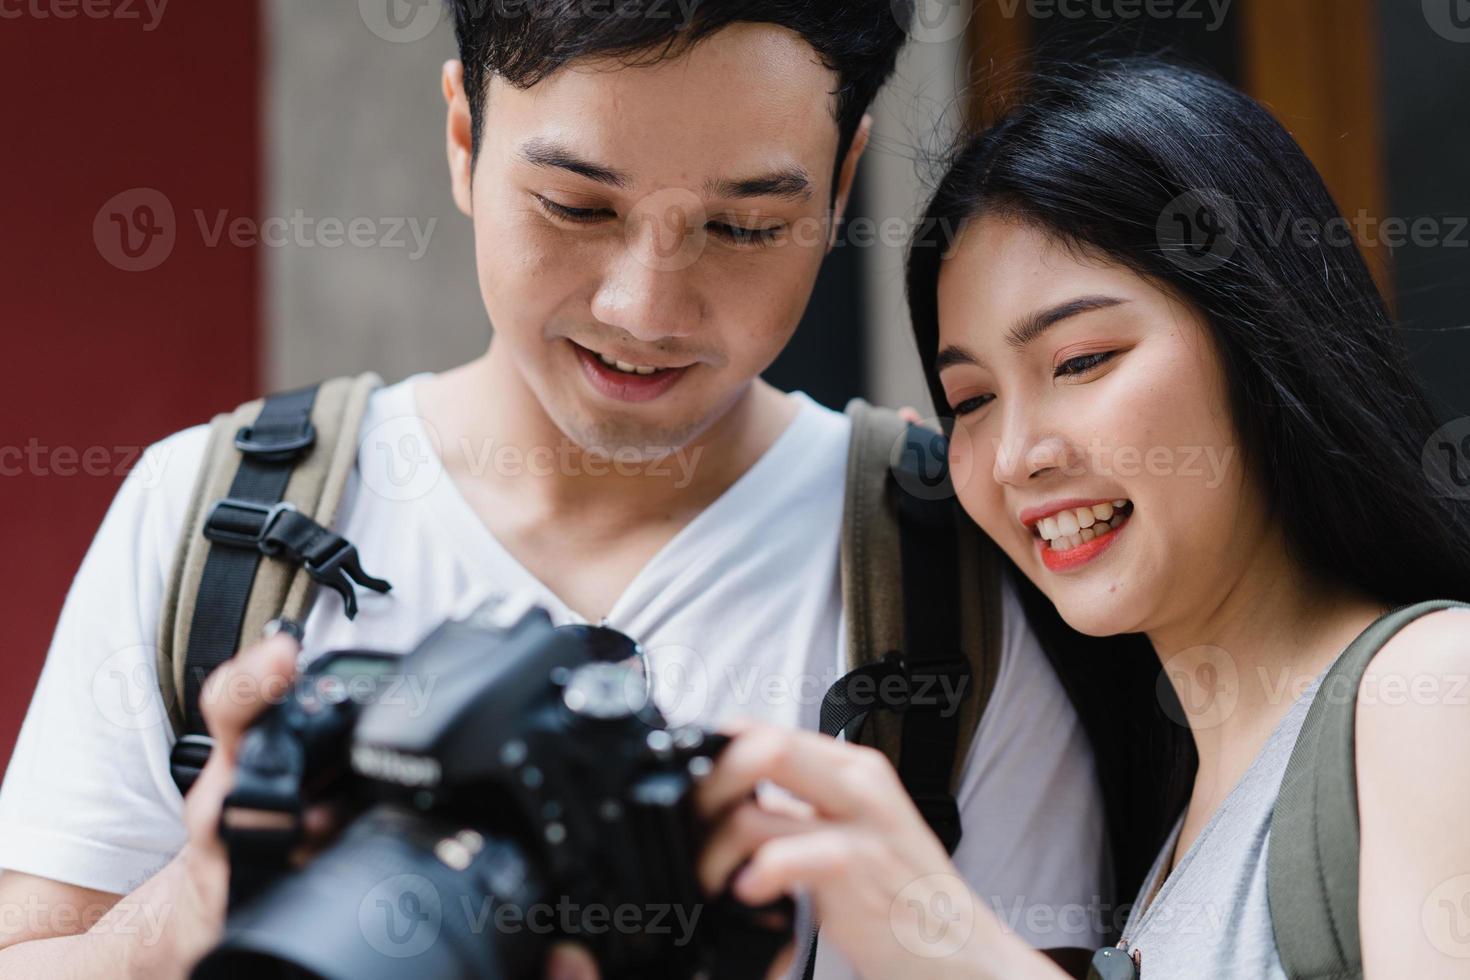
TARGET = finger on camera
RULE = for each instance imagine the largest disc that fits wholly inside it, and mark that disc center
(736, 837)
(242, 687)
(570, 961)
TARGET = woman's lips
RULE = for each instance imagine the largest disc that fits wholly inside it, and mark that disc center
(622, 386)
(1063, 561)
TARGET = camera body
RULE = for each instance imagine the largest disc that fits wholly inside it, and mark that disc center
(519, 788)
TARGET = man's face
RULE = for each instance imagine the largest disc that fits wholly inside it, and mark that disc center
(670, 217)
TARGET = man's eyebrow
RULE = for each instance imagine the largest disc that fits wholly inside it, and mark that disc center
(1029, 328)
(787, 182)
(543, 152)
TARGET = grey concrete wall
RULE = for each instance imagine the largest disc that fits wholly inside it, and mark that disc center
(354, 131)
(914, 120)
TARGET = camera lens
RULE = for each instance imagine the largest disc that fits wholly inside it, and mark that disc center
(399, 895)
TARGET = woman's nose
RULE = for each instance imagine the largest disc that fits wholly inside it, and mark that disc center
(1020, 458)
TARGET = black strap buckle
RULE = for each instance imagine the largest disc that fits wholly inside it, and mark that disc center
(275, 447)
(329, 558)
(243, 523)
(187, 759)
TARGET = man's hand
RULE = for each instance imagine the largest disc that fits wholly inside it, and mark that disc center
(187, 898)
(233, 697)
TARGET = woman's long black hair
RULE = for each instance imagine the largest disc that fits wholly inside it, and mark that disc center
(1173, 173)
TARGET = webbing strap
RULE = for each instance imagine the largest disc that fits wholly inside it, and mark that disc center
(939, 673)
(935, 672)
(269, 447)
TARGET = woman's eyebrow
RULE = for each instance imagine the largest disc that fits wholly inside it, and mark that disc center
(1029, 328)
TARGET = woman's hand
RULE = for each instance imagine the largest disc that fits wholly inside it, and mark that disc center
(882, 885)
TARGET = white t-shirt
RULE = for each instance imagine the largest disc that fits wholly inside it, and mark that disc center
(740, 613)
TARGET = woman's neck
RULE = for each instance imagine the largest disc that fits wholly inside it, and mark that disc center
(1239, 661)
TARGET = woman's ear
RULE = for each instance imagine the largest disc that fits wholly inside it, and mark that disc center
(459, 135)
(846, 174)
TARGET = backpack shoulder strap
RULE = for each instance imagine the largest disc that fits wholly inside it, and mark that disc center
(1312, 859)
(921, 593)
(271, 482)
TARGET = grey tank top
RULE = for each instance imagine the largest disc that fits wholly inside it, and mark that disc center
(1210, 918)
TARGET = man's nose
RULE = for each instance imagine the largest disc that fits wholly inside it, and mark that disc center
(649, 285)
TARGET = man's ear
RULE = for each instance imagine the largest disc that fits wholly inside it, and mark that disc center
(459, 135)
(847, 173)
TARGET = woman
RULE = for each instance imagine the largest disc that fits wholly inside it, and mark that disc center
(1188, 425)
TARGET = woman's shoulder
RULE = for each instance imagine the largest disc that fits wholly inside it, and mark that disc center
(1424, 664)
(1412, 739)
(1413, 713)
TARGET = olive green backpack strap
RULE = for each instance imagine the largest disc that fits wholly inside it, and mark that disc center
(921, 601)
(921, 595)
(1312, 860)
(256, 541)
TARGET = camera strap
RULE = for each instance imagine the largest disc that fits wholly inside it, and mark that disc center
(273, 476)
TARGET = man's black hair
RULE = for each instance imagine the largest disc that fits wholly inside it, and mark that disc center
(524, 41)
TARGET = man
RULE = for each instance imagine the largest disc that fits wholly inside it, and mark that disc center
(652, 196)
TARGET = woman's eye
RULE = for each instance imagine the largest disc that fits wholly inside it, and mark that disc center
(581, 216)
(741, 235)
(1083, 363)
(971, 405)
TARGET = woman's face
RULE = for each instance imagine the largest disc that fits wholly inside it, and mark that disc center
(1093, 439)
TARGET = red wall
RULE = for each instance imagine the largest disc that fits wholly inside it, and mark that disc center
(92, 355)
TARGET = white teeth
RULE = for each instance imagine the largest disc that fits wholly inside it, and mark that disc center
(625, 367)
(1070, 528)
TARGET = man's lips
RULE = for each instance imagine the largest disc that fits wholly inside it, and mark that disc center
(658, 363)
(621, 385)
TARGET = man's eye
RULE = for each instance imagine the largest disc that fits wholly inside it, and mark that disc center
(1083, 364)
(971, 405)
(741, 235)
(581, 216)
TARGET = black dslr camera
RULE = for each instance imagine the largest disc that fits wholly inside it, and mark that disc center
(516, 789)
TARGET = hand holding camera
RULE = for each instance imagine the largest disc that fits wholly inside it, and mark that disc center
(524, 792)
